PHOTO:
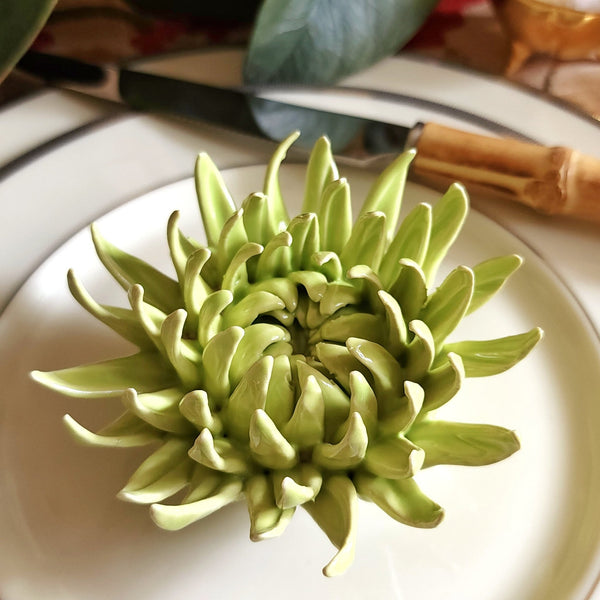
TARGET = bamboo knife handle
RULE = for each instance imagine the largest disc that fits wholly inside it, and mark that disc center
(554, 181)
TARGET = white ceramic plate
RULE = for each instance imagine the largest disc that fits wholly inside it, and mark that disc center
(526, 528)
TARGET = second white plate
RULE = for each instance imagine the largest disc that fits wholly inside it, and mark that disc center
(525, 528)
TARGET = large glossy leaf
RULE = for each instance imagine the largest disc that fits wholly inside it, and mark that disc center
(320, 41)
(20, 21)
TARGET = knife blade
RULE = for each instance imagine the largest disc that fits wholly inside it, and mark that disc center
(551, 180)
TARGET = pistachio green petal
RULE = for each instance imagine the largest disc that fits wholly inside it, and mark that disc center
(203, 483)
(159, 409)
(386, 193)
(410, 407)
(314, 283)
(185, 359)
(236, 275)
(179, 516)
(276, 259)
(161, 475)
(366, 243)
(336, 402)
(401, 499)
(337, 295)
(282, 288)
(339, 361)
(125, 432)
(218, 454)
(121, 320)
(216, 361)
(267, 445)
(369, 277)
(468, 444)
(490, 357)
(386, 372)
(363, 401)
(449, 215)
(271, 185)
(409, 289)
(446, 307)
(490, 276)
(257, 222)
(396, 333)
(420, 352)
(335, 510)
(149, 317)
(160, 290)
(303, 475)
(279, 404)
(329, 264)
(335, 216)
(257, 338)
(353, 324)
(195, 289)
(214, 200)
(320, 171)
(195, 407)
(231, 238)
(304, 230)
(290, 494)
(410, 242)
(394, 458)
(146, 372)
(210, 315)
(245, 312)
(180, 246)
(306, 426)
(349, 451)
(442, 383)
(249, 395)
(267, 520)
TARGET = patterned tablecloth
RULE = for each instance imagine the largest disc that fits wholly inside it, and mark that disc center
(464, 32)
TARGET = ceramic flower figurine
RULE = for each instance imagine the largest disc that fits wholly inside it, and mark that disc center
(297, 362)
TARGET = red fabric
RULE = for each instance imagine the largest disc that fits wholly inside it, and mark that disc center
(455, 6)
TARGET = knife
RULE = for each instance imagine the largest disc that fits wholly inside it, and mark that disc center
(550, 180)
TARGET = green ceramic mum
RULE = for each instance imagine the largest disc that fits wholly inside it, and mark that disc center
(297, 362)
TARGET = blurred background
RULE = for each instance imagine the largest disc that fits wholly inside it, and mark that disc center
(504, 38)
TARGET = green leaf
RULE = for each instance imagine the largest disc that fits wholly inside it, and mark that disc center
(159, 409)
(121, 320)
(159, 289)
(216, 205)
(467, 444)
(272, 189)
(124, 432)
(162, 474)
(320, 171)
(386, 193)
(335, 216)
(482, 358)
(177, 517)
(367, 242)
(394, 458)
(268, 446)
(335, 510)
(449, 215)
(411, 241)
(320, 41)
(490, 276)
(446, 306)
(401, 499)
(267, 520)
(20, 22)
(145, 372)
